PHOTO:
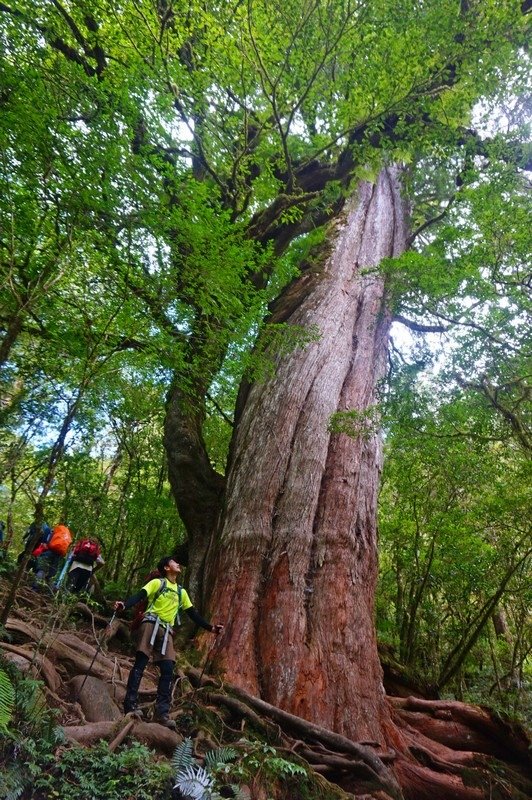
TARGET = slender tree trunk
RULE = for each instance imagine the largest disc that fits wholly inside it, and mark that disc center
(120, 535)
(467, 641)
(101, 498)
(294, 571)
(9, 522)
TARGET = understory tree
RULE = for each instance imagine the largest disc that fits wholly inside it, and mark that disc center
(455, 547)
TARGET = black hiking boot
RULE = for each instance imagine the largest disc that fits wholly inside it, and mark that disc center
(165, 721)
(132, 690)
(137, 712)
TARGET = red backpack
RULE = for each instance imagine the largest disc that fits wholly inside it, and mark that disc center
(39, 550)
(86, 551)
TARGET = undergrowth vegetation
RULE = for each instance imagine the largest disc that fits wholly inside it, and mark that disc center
(37, 762)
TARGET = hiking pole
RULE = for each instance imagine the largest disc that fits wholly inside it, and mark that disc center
(95, 654)
(66, 565)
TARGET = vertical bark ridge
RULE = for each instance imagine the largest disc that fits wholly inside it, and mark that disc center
(364, 315)
(357, 464)
(297, 561)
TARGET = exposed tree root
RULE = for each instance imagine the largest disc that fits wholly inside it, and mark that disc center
(447, 752)
(122, 736)
(44, 667)
(482, 730)
(364, 761)
(422, 783)
(442, 750)
(245, 712)
(152, 735)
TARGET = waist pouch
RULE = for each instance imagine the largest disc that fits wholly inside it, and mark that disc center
(157, 623)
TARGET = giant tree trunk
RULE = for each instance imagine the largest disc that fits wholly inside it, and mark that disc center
(293, 567)
(196, 486)
(296, 564)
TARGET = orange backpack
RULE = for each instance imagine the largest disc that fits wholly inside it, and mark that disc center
(60, 540)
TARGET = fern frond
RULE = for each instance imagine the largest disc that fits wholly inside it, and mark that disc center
(7, 699)
(195, 783)
(182, 757)
(32, 701)
(219, 756)
(14, 794)
(12, 784)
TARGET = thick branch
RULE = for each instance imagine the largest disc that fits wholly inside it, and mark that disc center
(418, 326)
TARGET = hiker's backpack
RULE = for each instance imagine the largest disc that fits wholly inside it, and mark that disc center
(60, 540)
(142, 607)
(46, 533)
(86, 551)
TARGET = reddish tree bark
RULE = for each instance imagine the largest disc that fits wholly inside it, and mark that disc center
(293, 566)
(296, 563)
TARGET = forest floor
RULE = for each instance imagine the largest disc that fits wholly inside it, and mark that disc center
(450, 750)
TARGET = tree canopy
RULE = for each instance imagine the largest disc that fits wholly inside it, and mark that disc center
(170, 176)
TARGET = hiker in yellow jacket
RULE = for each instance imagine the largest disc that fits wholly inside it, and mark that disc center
(165, 599)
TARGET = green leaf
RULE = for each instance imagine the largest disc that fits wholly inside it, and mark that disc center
(7, 699)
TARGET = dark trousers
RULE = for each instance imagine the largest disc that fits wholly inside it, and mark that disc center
(164, 687)
(46, 567)
(78, 579)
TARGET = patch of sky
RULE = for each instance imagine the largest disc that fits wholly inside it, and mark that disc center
(175, 128)
(177, 314)
(490, 117)
(504, 114)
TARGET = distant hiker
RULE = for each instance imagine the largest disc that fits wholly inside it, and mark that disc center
(2, 530)
(45, 533)
(165, 600)
(85, 560)
(47, 562)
